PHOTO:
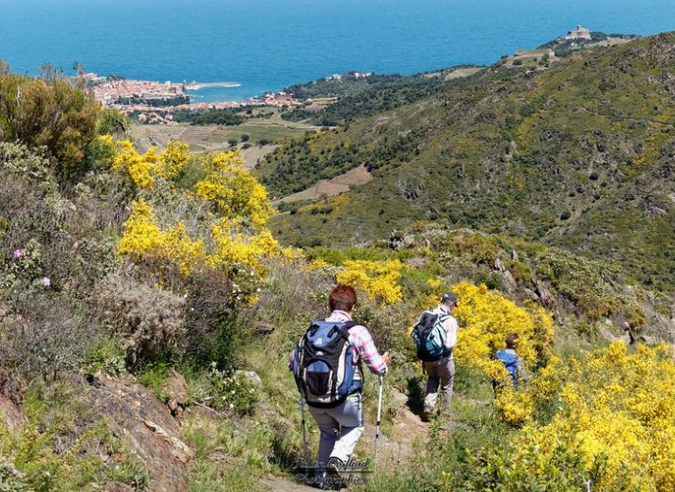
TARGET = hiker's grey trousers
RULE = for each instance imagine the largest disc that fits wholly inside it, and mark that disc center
(341, 427)
(441, 373)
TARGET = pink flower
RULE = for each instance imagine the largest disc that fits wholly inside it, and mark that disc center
(46, 282)
(18, 253)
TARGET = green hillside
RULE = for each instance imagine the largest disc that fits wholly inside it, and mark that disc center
(577, 155)
(147, 312)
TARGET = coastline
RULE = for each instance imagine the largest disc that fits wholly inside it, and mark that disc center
(195, 86)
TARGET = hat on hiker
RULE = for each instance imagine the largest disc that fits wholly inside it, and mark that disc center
(449, 297)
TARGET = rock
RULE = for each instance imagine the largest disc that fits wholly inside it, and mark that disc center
(509, 282)
(611, 337)
(499, 265)
(263, 328)
(177, 391)
(408, 242)
(514, 255)
(629, 332)
(530, 294)
(252, 377)
(179, 449)
(417, 262)
(11, 398)
(545, 295)
(147, 428)
(647, 340)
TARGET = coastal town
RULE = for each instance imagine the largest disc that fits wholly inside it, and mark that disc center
(152, 101)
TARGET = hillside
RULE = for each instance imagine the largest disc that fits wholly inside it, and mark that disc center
(578, 154)
(147, 312)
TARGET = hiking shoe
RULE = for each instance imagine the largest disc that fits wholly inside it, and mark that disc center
(334, 467)
(334, 479)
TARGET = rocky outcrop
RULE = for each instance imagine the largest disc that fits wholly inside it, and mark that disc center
(146, 426)
(11, 397)
(177, 391)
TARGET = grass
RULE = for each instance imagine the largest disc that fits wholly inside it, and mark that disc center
(257, 132)
(229, 455)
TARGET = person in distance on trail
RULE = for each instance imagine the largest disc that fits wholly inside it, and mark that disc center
(512, 362)
(327, 367)
(435, 335)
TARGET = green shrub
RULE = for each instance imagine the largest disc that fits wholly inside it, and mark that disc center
(108, 357)
(232, 392)
(10, 478)
(48, 113)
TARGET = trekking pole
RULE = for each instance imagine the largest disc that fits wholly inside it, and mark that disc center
(377, 426)
(304, 429)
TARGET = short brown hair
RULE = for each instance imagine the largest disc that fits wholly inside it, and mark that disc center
(342, 297)
(511, 340)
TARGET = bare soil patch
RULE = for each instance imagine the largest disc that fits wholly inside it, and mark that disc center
(339, 184)
(253, 154)
(462, 72)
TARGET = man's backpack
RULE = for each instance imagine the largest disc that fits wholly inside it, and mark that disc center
(324, 365)
(429, 335)
(510, 361)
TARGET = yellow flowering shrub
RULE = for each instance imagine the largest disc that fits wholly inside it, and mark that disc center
(233, 190)
(173, 160)
(143, 240)
(232, 247)
(143, 169)
(486, 319)
(317, 264)
(230, 250)
(377, 279)
(612, 409)
(234, 241)
(513, 406)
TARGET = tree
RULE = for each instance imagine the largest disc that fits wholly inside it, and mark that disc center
(48, 113)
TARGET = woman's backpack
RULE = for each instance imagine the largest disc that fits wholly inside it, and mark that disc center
(324, 365)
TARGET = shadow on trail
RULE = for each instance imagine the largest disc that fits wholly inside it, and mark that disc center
(416, 394)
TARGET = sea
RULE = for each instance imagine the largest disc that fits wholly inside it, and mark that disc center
(266, 45)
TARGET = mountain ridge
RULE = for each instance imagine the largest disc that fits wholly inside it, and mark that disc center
(576, 155)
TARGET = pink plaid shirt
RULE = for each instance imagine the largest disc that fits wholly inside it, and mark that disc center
(361, 342)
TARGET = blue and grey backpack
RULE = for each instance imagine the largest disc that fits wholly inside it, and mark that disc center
(429, 335)
(324, 365)
(510, 361)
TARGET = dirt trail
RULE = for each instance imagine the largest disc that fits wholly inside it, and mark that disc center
(393, 451)
(408, 429)
(282, 485)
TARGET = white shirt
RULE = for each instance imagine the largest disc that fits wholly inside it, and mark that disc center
(450, 325)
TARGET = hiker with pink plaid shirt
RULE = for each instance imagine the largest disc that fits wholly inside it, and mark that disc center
(342, 426)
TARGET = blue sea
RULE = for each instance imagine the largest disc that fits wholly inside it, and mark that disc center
(265, 45)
